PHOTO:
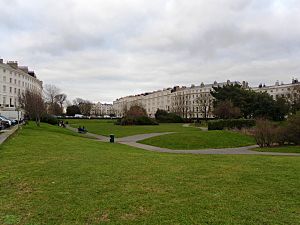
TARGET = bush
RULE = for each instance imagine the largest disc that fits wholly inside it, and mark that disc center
(226, 110)
(163, 116)
(293, 129)
(265, 133)
(230, 124)
(51, 119)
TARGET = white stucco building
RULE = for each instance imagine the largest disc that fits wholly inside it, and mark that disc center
(194, 101)
(190, 102)
(14, 80)
(280, 89)
(102, 109)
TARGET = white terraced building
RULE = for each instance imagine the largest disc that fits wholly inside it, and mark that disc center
(14, 80)
(288, 91)
(189, 102)
(194, 101)
(102, 109)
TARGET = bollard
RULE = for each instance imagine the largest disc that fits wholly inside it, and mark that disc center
(112, 138)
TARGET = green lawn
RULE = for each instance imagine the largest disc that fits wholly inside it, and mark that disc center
(287, 149)
(50, 176)
(197, 139)
(107, 127)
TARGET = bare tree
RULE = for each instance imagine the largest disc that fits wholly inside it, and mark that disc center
(60, 99)
(33, 104)
(85, 106)
(179, 104)
(204, 106)
(51, 92)
(226, 110)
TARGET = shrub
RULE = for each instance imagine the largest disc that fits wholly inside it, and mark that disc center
(51, 119)
(141, 120)
(226, 110)
(136, 111)
(230, 124)
(265, 133)
(163, 116)
(293, 129)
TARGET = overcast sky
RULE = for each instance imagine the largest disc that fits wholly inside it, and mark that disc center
(104, 49)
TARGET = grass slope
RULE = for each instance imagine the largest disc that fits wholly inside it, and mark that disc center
(200, 140)
(50, 176)
(287, 149)
(107, 127)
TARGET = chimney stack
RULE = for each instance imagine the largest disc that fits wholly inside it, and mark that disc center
(13, 64)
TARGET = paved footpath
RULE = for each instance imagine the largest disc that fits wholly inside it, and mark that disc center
(7, 133)
(132, 141)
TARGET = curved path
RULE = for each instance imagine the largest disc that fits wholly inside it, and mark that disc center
(132, 141)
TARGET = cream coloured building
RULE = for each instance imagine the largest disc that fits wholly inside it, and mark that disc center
(189, 102)
(195, 101)
(102, 109)
(14, 80)
(277, 90)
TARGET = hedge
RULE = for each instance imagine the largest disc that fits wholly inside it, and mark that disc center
(141, 120)
(230, 124)
(51, 119)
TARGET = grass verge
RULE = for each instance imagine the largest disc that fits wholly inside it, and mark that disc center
(285, 149)
(196, 139)
(50, 175)
(107, 127)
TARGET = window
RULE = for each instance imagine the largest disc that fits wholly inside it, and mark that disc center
(4, 100)
(4, 88)
(10, 89)
(10, 80)
(4, 79)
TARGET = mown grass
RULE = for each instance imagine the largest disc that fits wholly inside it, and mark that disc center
(107, 127)
(196, 139)
(286, 149)
(48, 175)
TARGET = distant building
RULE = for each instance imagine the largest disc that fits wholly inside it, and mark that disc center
(280, 89)
(189, 102)
(102, 110)
(14, 80)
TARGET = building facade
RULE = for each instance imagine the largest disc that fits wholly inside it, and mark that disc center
(195, 101)
(188, 102)
(14, 80)
(288, 91)
(102, 110)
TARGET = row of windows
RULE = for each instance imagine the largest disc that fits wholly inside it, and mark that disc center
(14, 81)
(19, 75)
(8, 102)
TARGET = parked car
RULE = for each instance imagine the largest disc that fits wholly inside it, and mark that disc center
(5, 123)
(12, 122)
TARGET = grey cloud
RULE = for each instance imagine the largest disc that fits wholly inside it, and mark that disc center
(102, 49)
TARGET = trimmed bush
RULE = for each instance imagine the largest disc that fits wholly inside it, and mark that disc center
(141, 120)
(230, 124)
(163, 116)
(50, 119)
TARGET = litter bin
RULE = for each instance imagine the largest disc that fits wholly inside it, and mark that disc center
(112, 138)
